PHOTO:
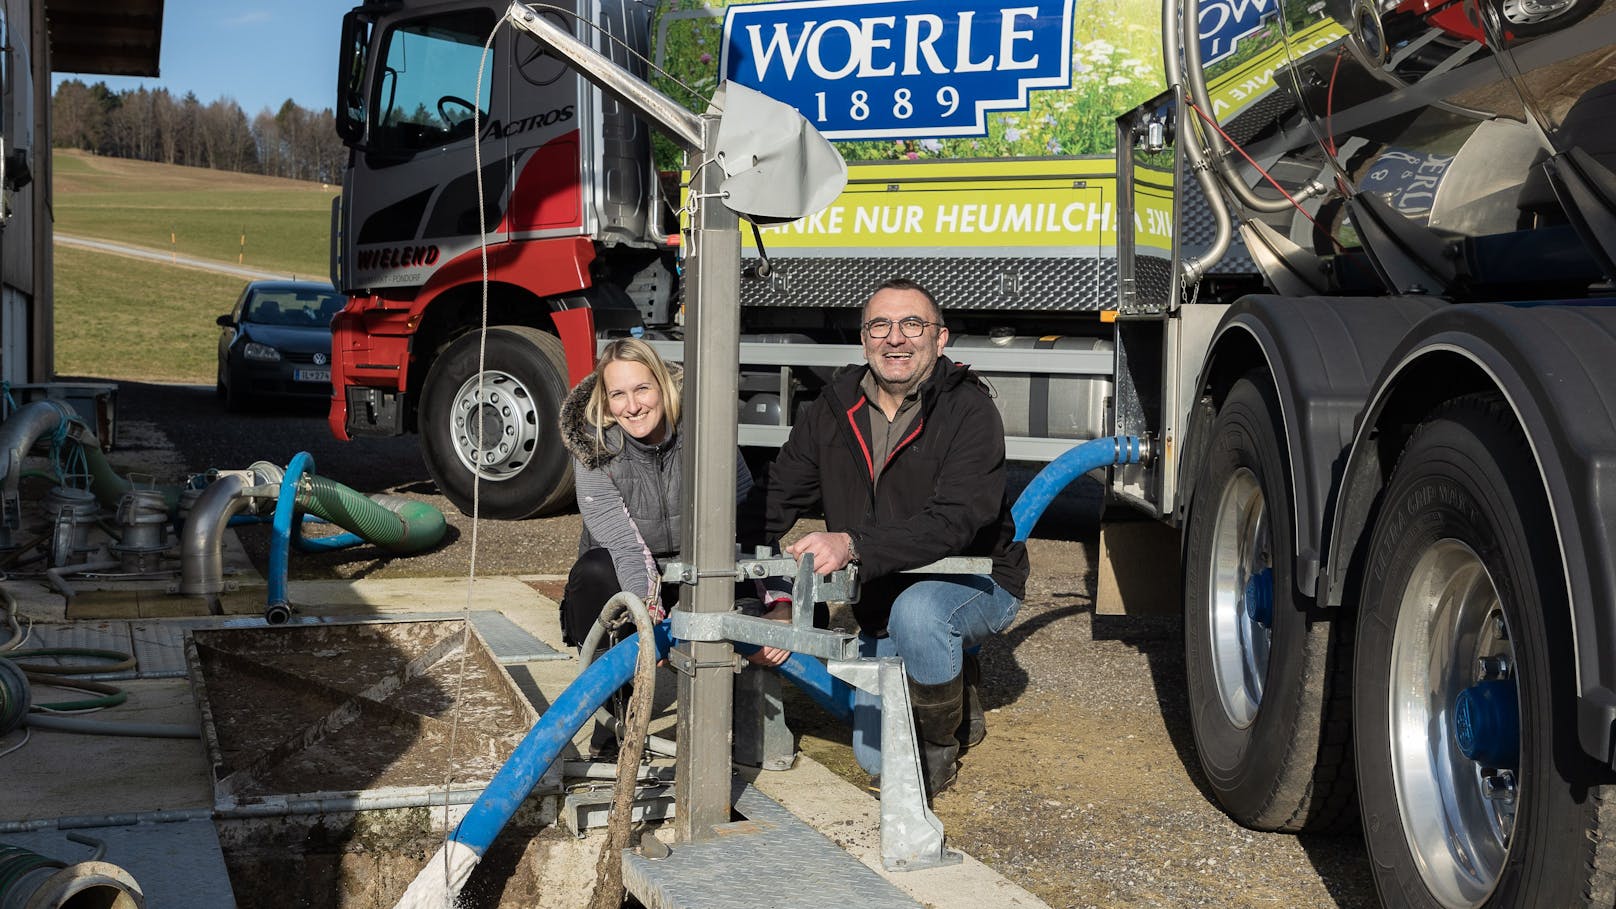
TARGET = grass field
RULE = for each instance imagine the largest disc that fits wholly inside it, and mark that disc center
(122, 318)
(195, 211)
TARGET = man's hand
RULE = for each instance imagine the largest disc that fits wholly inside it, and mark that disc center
(831, 550)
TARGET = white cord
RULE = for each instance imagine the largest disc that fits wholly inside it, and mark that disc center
(18, 747)
(477, 471)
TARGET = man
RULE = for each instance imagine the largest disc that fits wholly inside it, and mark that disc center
(906, 456)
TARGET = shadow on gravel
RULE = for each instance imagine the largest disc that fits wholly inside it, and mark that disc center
(1337, 856)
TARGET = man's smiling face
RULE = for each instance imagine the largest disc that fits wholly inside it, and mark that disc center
(901, 363)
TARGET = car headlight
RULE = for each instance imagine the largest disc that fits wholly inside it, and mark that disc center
(255, 351)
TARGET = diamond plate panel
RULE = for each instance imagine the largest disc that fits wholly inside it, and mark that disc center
(112, 634)
(771, 858)
(975, 283)
(1196, 228)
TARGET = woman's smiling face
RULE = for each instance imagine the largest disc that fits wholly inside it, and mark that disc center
(635, 400)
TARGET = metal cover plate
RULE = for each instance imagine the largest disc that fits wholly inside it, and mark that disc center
(769, 857)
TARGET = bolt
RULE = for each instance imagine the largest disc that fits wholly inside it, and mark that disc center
(1496, 666)
(1500, 629)
(1499, 785)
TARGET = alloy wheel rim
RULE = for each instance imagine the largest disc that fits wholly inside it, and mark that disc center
(493, 425)
(1241, 563)
(1530, 12)
(1458, 814)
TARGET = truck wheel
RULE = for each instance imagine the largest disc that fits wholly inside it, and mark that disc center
(514, 405)
(1474, 789)
(1270, 725)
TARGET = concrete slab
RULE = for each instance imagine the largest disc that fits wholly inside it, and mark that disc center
(851, 818)
(58, 774)
(408, 595)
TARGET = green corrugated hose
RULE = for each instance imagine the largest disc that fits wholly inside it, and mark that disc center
(401, 526)
(109, 488)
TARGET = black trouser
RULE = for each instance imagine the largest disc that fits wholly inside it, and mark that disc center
(593, 581)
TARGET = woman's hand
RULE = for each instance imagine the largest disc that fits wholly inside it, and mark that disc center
(772, 657)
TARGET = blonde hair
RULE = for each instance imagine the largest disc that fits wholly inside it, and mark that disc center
(598, 411)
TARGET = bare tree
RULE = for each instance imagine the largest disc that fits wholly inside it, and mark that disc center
(78, 112)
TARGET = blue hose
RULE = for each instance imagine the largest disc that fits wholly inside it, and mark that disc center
(538, 750)
(1059, 473)
(833, 695)
(279, 609)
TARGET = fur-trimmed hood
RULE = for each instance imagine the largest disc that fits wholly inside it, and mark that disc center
(578, 434)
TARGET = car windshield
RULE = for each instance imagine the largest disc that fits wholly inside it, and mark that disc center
(293, 307)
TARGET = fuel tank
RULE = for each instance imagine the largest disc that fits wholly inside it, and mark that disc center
(1464, 148)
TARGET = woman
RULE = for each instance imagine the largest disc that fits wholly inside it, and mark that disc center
(621, 425)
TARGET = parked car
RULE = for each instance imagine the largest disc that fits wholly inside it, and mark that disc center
(276, 342)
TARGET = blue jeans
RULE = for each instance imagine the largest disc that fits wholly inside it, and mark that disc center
(932, 624)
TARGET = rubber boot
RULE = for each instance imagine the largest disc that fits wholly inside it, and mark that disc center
(973, 726)
(937, 716)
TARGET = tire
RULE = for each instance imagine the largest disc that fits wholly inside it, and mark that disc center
(1462, 593)
(234, 399)
(525, 378)
(1268, 702)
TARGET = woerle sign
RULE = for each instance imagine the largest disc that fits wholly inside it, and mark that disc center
(869, 69)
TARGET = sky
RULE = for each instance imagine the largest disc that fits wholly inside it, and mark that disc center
(259, 53)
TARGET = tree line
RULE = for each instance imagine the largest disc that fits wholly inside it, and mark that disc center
(153, 125)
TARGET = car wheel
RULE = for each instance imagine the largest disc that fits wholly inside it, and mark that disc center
(1268, 712)
(501, 424)
(1474, 788)
(236, 399)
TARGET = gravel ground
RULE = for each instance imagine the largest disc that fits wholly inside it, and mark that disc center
(1086, 791)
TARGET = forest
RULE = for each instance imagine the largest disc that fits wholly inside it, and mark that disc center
(154, 125)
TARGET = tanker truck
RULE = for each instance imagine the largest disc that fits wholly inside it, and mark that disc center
(1385, 443)
(992, 181)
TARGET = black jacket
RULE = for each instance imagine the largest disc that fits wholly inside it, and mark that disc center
(941, 494)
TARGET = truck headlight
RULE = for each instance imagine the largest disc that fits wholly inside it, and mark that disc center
(255, 351)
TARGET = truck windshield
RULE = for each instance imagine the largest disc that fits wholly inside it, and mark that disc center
(427, 78)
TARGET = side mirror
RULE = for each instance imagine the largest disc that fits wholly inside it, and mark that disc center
(225, 321)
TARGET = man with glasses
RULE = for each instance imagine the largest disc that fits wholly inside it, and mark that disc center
(905, 455)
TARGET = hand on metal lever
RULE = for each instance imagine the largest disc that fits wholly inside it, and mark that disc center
(832, 551)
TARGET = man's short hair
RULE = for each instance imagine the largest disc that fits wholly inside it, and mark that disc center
(906, 284)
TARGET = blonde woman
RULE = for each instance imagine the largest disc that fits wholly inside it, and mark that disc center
(621, 425)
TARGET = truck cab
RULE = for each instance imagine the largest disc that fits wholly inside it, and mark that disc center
(472, 151)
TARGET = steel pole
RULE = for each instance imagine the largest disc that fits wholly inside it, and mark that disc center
(712, 360)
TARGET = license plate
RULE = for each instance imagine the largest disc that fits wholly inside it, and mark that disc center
(312, 375)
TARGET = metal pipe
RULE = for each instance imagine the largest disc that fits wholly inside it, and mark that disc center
(1193, 268)
(58, 579)
(19, 433)
(121, 819)
(1217, 151)
(202, 541)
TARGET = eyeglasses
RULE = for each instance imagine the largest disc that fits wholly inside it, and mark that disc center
(912, 327)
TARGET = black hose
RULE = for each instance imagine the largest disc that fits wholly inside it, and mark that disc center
(120, 661)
